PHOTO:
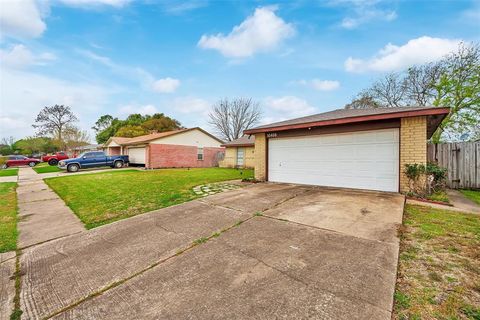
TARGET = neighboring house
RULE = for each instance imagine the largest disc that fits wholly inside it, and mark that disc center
(185, 148)
(239, 153)
(359, 148)
(90, 147)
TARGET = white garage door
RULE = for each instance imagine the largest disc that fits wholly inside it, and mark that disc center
(136, 155)
(363, 160)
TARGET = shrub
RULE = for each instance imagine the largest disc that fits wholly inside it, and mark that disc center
(439, 177)
(2, 160)
(425, 179)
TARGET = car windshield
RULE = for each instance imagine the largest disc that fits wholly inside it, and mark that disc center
(82, 155)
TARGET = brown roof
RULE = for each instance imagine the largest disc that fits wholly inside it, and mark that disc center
(244, 141)
(347, 116)
(120, 140)
(153, 136)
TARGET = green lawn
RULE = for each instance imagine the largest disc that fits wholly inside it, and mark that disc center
(8, 172)
(439, 265)
(41, 168)
(473, 195)
(105, 197)
(8, 216)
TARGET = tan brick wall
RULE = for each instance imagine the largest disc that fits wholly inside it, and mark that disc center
(230, 160)
(413, 145)
(260, 156)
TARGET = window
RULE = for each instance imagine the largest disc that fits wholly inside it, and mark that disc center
(200, 154)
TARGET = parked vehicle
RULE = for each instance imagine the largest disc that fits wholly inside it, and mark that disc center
(92, 160)
(53, 159)
(19, 160)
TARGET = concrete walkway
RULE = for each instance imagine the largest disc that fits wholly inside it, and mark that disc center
(43, 215)
(461, 202)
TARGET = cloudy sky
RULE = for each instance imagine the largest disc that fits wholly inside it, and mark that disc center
(178, 57)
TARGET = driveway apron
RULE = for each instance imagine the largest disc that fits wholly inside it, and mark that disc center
(43, 216)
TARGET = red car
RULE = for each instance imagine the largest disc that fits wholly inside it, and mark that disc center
(53, 159)
(17, 161)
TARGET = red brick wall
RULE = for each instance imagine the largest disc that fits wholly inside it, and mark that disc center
(113, 151)
(176, 156)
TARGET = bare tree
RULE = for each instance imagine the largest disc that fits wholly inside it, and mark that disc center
(231, 117)
(362, 101)
(75, 137)
(420, 83)
(389, 91)
(54, 120)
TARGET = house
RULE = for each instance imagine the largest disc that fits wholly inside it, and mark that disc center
(80, 149)
(239, 153)
(352, 148)
(184, 148)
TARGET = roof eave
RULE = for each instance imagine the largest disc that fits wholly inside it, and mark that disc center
(238, 145)
(383, 116)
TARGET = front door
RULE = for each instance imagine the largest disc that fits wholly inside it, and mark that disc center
(240, 157)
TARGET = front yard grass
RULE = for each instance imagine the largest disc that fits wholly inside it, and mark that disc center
(473, 195)
(101, 198)
(8, 172)
(41, 168)
(439, 265)
(8, 216)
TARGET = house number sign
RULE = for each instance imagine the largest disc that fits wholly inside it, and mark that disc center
(271, 135)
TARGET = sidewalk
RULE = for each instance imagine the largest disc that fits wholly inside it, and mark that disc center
(42, 215)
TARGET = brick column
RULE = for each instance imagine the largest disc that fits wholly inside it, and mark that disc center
(260, 156)
(413, 145)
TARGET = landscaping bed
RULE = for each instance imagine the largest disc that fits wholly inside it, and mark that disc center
(8, 217)
(101, 198)
(439, 265)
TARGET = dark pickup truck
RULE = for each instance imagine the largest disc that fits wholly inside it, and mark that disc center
(92, 160)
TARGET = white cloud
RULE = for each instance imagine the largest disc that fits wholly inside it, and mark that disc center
(90, 3)
(21, 19)
(416, 51)
(191, 105)
(145, 109)
(19, 56)
(166, 85)
(362, 12)
(260, 32)
(287, 107)
(24, 93)
(321, 85)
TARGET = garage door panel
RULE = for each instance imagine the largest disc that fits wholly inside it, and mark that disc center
(136, 155)
(366, 160)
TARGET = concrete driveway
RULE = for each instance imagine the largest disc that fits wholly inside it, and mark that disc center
(279, 251)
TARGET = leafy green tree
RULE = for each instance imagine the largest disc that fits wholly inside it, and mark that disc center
(134, 125)
(131, 131)
(459, 89)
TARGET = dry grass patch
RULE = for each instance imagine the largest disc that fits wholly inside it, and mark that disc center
(439, 265)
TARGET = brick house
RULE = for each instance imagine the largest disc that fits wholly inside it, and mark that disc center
(184, 148)
(239, 153)
(356, 148)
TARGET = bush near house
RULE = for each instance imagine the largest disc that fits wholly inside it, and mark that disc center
(427, 181)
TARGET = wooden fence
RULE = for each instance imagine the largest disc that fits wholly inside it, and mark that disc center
(462, 160)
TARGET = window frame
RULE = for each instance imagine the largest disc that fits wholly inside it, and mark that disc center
(200, 154)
